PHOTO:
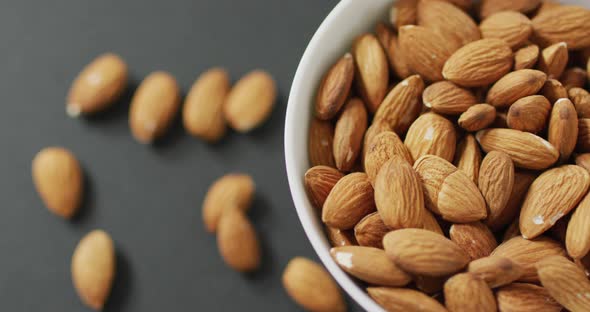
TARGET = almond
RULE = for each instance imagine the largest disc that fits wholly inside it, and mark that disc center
(554, 60)
(308, 284)
(527, 252)
(583, 160)
(432, 134)
(553, 90)
(403, 299)
(495, 271)
(489, 7)
(382, 148)
(529, 114)
(404, 12)
(445, 97)
(375, 129)
(431, 224)
(566, 23)
(319, 181)
(526, 58)
(413, 251)
(97, 86)
(581, 100)
(574, 77)
(350, 200)
(340, 238)
(321, 142)
(477, 117)
(370, 265)
(465, 292)
(371, 230)
(154, 106)
(547, 200)
(583, 144)
(565, 282)
(449, 21)
(402, 105)
(468, 157)
(520, 297)
(202, 113)
(348, 135)
(563, 128)
(390, 44)
(513, 27)
(232, 191)
(59, 180)
(514, 86)
(93, 268)
(526, 149)
(577, 239)
(522, 182)
(474, 238)
(237, 241)
(372, 70)
(496, 179)
(335, 88)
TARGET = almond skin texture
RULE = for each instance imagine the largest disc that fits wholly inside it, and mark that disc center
(202, 113)
(520, 297)
(465, 292)
(468, 157)
(513, 27)
(97, 86)
(565, 282)
(527, 57)
(349, 133)
(515, 86)
(479, 63)
(432, 134)
(383, 147)
(581, 100)
(474, 238)
(563, 128)
(398, 194)
(370, 265)
(527, 252)
(404, 12)
(350, 200)
(496, 179)
(319, 181)
(390, 44)
(553, 90)
(154, 106)
(372, 70)
(251, 101)
(431, 224)
(371, 230)
(577, 239)
(59, 180)
(232, 191)
(551, 196)
(237, 241)
(574, 77)
(477, 117)
(583, 144)
(529, 114)
(93, 268)
(554, 60)
(308, 284)
(424, 252)
(334, 88)
(375, 129)
(445, 97)
(449, 21)
(526, 149)
(321, 142)
(402, 105)
(495, 271)
(566, 23)
(522, 182)
(489, 7)
(404, 299)
(340, 238)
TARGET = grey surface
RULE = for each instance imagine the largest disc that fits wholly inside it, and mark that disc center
(147, 198)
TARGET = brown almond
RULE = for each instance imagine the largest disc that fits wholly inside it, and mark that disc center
(319, 181)
(514, 86)
(350, 200)
(340, 237)
(321, 142)
(474, 238)
(404, 12)
(445, 97)
(553, 90)
(565, 23)
(521, 297)
(432, 134)
(349, 133)
(371, 230)
(402, 105)
(335, 88)
(383, 147)
(465, 292)
(495, 271)
(496, 179)
(477, 117)
(237, 241)
(468, 157)
(581, 100)
(554, 59)
(372, 70)
(404, 299)
(513, 27)
(583, 144)
(430, 223)
(529, 114)
(563, 128)
(522, 182)
(574, 77)
(577, 239)
(376, 128)
(526, 58)
(583, 160)
(390, 43)
(232, 191)
(449, 21)
(489, 7)
(565, 282)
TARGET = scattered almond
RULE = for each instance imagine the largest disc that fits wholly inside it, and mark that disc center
(335, 88)
(554, 59)
(402, 105)
(477, 117)
(514, 86)
(565, 282)
(432, 134)
(232, 191)
(445, 97)
(496, 179)
(526, 58)
(563, 128)
(529, 114)
(237, 241)
(513, 27)
(553, 90)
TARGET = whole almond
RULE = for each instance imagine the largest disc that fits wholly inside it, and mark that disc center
(526, 58)
(577, 239)
(468, 157)
(449, 21)
(474, 238)
(553, 90)
(547, 201)
(321, 142)
(308, 284)
(527, 252)
(445, 97)
(372, 70)
(350, 200)
(554, 60)
(513, 27)
(496, 179)
(404, 12)
(232, 191)
(565, 282)
(237, 241)
(93, 268)
(495, 271)
(514, 86)
(251, 101)
(349, 133)
(413, 250)
(340, 237)
(334, 88)
(477, 117)
(154, 106)
(489, 7)
(465, 292)
(371, 230)
(404, 299)
(563, 128)
(526, 149)
(319, 181)
(390, 44)
(583, 160)
(382, 148)
(565, 23)
(583, 144)
(581, 100)
(432, 134)
(402, 105)
(521, 297)
(59, 180)
(522, 182)
(529, 114)
(97, 86)
(574, 77)
(370, 265)
(376, 128)
(479, 63)
(202, 114)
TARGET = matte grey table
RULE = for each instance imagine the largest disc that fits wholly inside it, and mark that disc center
(147, 197)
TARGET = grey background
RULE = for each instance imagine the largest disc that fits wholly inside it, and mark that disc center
(147, 197)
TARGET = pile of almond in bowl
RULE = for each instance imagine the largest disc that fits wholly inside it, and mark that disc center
(449, 157)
